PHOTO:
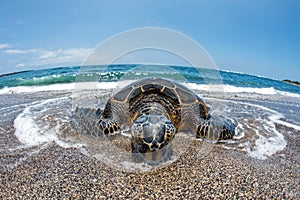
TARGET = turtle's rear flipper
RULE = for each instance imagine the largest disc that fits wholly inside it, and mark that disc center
(216, 128)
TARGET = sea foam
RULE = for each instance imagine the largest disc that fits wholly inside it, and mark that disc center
(236, 89)
(269, 140)
(120, 84)
(31, 129)
(59, 87)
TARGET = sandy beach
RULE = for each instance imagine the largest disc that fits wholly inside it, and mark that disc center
(60, 173)
(50, 171)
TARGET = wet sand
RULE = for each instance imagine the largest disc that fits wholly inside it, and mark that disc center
(59, 173)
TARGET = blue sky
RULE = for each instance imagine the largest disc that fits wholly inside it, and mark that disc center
(256, 37)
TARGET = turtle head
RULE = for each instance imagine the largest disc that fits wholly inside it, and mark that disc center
(151, 132)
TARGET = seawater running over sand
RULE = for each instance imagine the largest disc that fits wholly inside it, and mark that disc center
(42, 122)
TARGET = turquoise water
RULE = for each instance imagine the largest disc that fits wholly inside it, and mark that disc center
(115, 73)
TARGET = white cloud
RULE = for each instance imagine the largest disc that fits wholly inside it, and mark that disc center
(42, 57)
(25, 51)
(4, 46)
(20, 65)
(15, 51)
(47, 55)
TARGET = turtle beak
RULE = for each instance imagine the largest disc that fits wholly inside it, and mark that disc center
(158, 156)
(142, 153)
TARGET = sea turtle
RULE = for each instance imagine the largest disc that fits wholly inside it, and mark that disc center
(155, 109)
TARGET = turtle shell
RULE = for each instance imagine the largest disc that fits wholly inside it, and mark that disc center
(175, 92)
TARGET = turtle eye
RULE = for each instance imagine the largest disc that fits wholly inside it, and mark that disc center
(139, 140)
(170, 131)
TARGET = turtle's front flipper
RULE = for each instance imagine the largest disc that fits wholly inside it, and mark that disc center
(215, 128)
(91, 122)
(107, 126)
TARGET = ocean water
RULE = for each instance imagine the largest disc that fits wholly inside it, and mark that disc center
(236, 82)
(37, 108)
